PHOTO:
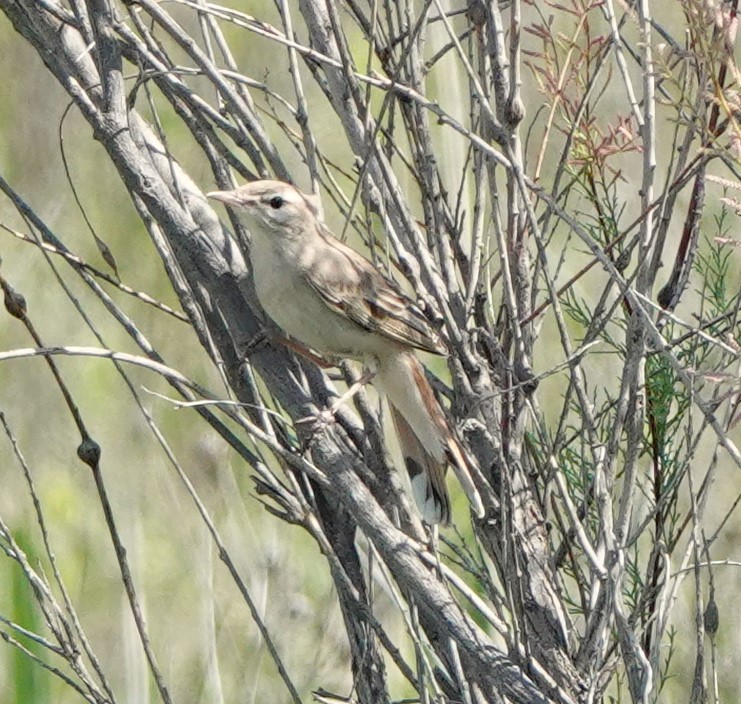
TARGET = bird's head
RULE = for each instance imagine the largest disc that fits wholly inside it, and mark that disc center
(273, 207)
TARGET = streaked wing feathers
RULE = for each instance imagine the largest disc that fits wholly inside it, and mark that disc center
(352, 286)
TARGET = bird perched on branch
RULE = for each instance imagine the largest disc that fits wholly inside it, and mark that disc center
(331, 299)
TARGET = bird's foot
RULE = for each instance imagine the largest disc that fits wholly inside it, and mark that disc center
(265, 337)
(321, 420)
(311, 427)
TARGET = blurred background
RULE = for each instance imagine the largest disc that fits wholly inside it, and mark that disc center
(196, 615)
(209, 647)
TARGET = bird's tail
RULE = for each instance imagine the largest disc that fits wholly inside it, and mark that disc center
(427, 442)
(426, 475)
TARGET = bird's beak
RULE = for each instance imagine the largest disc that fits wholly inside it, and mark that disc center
(228, 197)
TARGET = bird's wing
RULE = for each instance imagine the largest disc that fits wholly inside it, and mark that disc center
(351, 286)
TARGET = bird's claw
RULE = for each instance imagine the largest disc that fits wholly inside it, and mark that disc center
(319, 420)
(316, 424)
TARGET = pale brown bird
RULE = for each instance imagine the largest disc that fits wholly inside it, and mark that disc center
(330, 298)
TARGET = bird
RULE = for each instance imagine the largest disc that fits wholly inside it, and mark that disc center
(330, 298)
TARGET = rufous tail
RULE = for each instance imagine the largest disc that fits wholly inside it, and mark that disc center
(427, 441)
(426, 475)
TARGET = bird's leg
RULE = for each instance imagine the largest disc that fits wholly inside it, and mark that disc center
(327, 416)
(305, 352)
(365, 378)
(259, 339)
(272, 337)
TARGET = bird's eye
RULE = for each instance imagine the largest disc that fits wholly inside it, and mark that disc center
(276, 202)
